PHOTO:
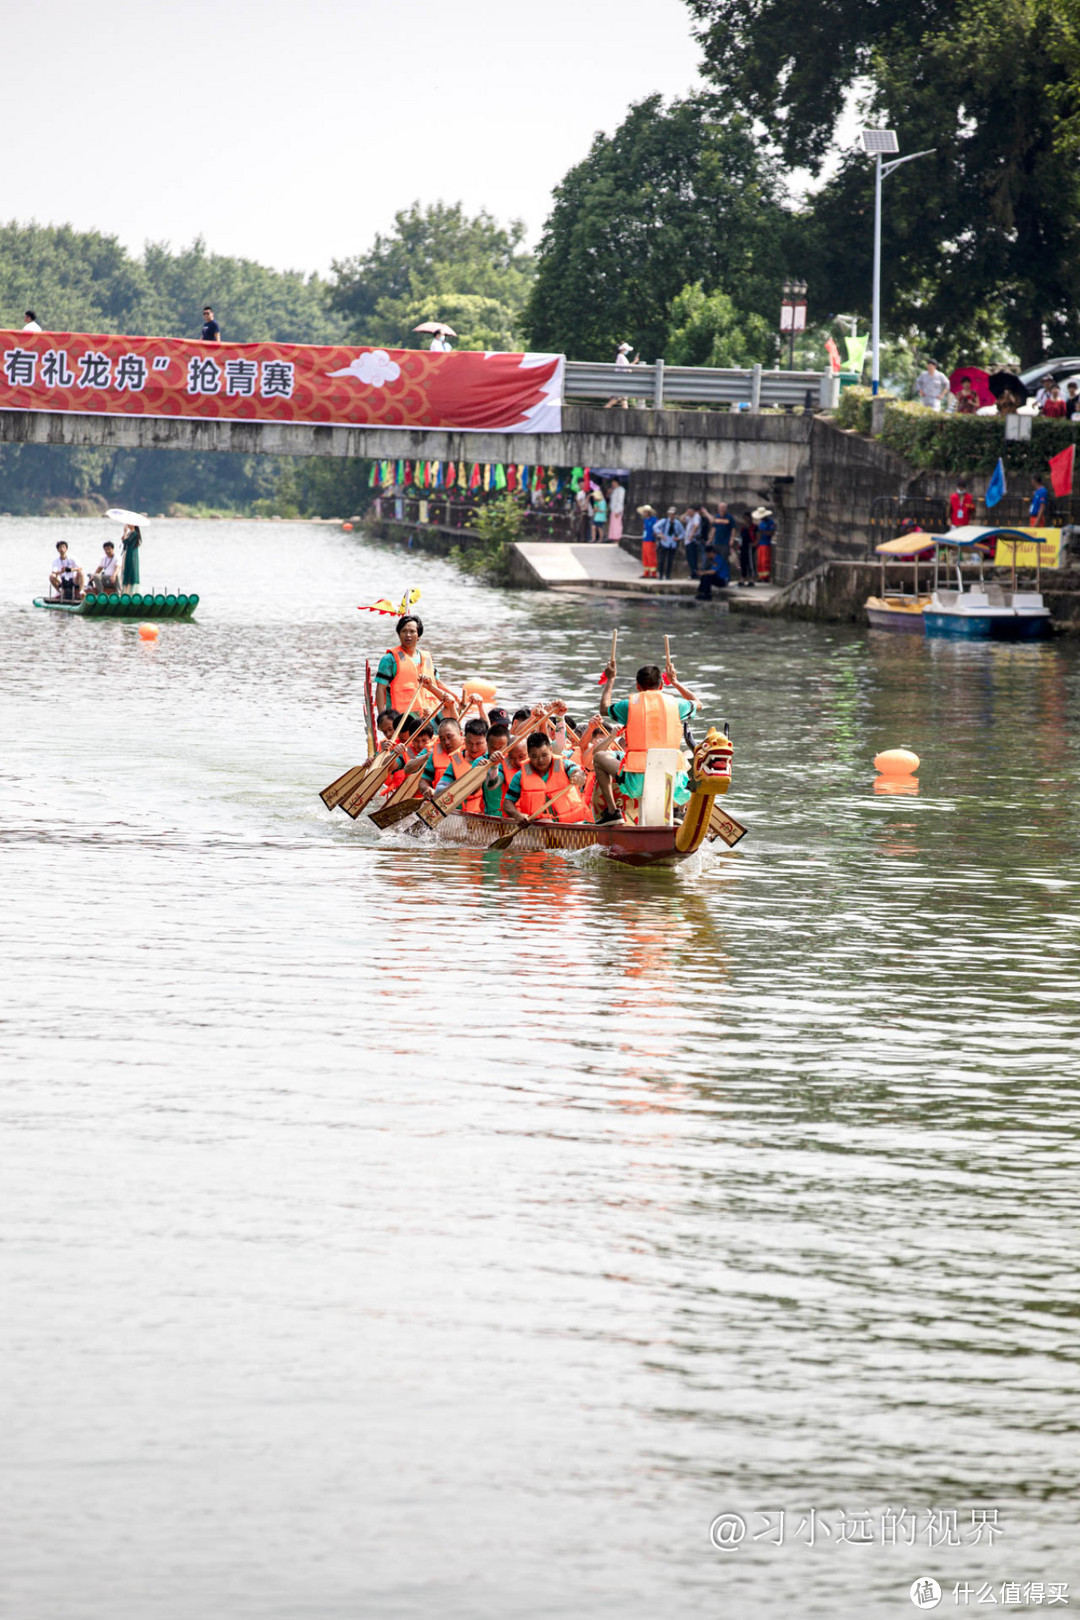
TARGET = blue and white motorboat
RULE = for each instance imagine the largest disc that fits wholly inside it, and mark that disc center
(990, 611)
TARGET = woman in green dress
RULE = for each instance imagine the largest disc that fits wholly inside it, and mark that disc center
(131, 541)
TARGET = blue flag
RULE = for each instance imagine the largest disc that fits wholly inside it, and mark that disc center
(995, 489)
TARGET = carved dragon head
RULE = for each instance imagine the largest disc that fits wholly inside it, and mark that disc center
(712, 763)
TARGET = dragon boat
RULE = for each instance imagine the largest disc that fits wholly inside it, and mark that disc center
(647, 842)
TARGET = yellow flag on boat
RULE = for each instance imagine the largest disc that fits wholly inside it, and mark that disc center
(384, 604)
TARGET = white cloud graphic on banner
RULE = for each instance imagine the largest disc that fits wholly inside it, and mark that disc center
(375, 368)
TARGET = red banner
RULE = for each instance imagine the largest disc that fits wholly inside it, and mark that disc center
(280, 382)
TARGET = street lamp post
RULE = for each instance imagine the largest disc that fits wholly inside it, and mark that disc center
(876, 143)
(793, 315)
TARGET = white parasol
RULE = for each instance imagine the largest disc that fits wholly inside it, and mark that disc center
(437, 328)
(119, 515)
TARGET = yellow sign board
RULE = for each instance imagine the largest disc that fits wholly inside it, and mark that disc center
(1044, 548)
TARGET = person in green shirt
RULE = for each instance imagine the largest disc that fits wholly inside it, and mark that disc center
(609, 765)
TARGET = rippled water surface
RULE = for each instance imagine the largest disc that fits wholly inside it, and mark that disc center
(390, 1232)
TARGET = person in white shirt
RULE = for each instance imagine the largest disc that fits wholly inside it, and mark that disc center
(106, 577)
(616, 508)
(66, 578)
(31, 322)
(439, 345)
(932, 386)
(622, 359)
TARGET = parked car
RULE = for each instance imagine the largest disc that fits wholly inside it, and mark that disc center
(1063, 371)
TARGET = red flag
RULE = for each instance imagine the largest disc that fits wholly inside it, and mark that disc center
(1061, 471)
(833, 353)
(474, 477)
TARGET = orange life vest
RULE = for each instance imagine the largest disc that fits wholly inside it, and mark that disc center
(535, 793)
(474, 804)
(652, 722)
(407, 679)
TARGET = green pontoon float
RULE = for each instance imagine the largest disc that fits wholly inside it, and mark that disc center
(125, 602)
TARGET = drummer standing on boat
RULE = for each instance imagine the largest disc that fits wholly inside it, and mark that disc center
(653, 718)
(402, 670)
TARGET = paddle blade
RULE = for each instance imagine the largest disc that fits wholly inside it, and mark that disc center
(428, 814)
(721, 825)
(332, 796)
(505, 841)
(391, 814)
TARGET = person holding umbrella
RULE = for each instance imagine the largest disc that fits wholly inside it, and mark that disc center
(440, 332)
(130, 540)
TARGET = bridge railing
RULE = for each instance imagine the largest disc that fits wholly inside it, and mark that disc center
(658, 384)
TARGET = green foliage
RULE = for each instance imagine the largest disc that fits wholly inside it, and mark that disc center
(982, 239)
(854, 408)
(437, 264)
(970, 444)
(676, 195)
(497, 524)
(707, 330)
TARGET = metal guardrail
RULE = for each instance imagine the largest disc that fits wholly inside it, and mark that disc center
(659, 383)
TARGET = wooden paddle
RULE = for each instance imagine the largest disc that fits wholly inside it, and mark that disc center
(508, 838)
(405, 792)
(391, 814)
(332, 796)
(721, 825)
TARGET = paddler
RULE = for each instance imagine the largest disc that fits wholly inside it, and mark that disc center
(653, 718)
(402, 669)
(502, 772)
(471, 753)
(543, 776)
(447, 743)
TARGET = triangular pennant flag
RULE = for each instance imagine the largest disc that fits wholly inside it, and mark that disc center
(1061, 471)
(373, 474)
(856, 351)
(474, 478)
(833, 353)
(451, 475)
(500, 476)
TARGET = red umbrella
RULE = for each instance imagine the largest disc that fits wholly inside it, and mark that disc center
(979, 380)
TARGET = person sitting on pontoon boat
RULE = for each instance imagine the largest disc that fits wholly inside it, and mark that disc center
(106, 576)
(66, 578)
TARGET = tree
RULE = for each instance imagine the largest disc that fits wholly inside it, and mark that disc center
(707, 330)
(437, 264)
(982, 240)
(675, 195)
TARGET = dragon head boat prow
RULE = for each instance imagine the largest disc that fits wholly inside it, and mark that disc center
(711, 769)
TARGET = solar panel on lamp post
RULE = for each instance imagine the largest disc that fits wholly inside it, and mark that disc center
(877, 143)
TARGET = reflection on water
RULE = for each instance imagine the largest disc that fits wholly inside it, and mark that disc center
(392, 1231)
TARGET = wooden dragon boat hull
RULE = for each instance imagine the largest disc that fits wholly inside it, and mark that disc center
(633, 846)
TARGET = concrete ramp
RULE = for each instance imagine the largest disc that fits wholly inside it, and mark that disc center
(548, 564)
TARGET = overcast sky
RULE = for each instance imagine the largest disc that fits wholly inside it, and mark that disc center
(290, 131)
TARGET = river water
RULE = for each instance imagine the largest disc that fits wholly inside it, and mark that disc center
(388, 1232)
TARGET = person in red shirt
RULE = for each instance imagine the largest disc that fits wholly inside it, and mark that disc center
(1054, 405)
(961, 505)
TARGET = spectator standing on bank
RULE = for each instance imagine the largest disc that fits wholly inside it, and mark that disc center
(1054, 405)
(967, 401)
(723, 531)
(931, 386)
(1072, 400)
(599, 514)
(766, 535)
(616, 506)
(692, 532)
(31, 322)
(1039, 500)
(747, 542)
(1042, 393)
(211, 331)
(583, 516)
(648, 541)
(961, 505)
(668, 534)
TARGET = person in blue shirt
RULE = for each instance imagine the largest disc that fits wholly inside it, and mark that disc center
(1039, 500)
(667, 535)
(211, 331)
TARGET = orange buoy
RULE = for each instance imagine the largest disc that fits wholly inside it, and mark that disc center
(896, 762)
(347, 527)
(484, 690)
(148, 632)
